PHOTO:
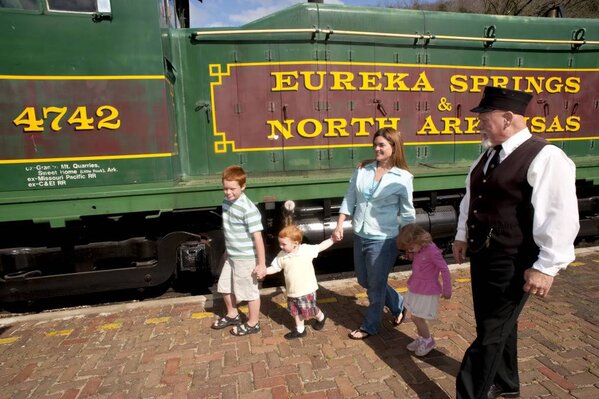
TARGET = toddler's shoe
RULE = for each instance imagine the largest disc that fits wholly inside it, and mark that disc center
(426, 345)
(414, 344)
(295, 334)
(319, 325)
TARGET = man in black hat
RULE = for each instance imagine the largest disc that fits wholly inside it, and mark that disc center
(518, 221)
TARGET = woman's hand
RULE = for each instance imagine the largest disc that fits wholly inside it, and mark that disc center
(337, 234)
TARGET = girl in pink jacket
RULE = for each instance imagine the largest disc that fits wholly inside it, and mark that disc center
(424, 288)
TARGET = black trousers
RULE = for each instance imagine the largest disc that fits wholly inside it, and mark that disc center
(497, 280)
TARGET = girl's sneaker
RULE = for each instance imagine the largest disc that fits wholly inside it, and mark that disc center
(426, 345)
(414, 344)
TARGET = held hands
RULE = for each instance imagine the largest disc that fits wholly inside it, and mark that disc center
(260, 271)
(337, 234)
(537, 283)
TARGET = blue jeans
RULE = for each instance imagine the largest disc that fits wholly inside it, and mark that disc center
(373, 261)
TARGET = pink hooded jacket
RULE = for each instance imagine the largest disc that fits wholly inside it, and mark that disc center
(428, 263)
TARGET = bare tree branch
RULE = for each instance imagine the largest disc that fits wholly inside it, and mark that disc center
(519, 10)
(569, 8)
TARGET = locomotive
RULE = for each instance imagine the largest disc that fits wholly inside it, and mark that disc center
(116, 120)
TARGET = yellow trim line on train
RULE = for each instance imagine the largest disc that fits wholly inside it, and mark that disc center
(92, 158)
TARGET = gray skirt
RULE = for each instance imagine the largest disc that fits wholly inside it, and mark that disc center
(423, 306)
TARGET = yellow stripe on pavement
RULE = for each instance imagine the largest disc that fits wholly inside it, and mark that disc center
(202, 315)
(157, 320)
(9, 340)
(59, 333)
(110, 326)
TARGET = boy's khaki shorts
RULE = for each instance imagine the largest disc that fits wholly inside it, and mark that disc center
(237, 278)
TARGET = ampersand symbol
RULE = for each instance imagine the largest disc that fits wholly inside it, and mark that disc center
(444, 105)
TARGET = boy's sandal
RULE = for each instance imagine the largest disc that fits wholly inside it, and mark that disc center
(226, 321)
(397, 320)
(245, 329)
(359, 334)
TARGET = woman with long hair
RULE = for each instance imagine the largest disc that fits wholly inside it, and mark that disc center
(379, 201)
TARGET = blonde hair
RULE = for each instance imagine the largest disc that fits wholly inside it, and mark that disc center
(292, 232)
(412, 234)
(394, 138)
(234, 173)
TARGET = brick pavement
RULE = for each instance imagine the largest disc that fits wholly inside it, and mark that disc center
(165, 349)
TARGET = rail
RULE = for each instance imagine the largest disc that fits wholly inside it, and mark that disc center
(417, 36)
(253, 31)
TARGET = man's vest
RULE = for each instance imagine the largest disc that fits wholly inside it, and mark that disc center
(501, 213)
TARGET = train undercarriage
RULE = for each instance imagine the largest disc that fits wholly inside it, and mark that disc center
(144, 250)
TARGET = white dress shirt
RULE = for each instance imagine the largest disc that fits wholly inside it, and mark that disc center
(552, 176)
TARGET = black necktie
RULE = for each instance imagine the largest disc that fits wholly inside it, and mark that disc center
(495, 160)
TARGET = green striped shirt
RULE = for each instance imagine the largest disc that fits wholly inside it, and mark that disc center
(241, 218)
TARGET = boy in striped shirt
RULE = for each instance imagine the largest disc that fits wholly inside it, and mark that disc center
(245, 261)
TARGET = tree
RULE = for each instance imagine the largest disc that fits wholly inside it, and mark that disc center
(555, 8)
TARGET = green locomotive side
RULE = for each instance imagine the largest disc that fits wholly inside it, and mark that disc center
(116, 122)
(235, 100)
(85, 104)
(88, 152)
(302, 91)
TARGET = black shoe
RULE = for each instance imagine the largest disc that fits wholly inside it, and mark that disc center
(295, 334)
(226, 321)
(496, 392)
(319, 325)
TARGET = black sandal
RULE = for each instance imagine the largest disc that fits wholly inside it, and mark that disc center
(226, 321)
(245, 329)
(365, 334)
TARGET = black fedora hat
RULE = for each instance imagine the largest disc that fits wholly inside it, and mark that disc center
(503, 99)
